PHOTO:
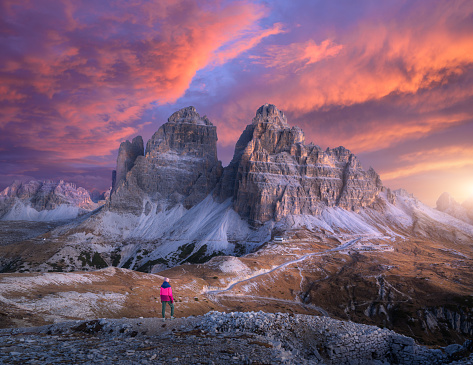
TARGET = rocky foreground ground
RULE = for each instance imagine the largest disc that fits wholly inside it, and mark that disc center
(216, 338)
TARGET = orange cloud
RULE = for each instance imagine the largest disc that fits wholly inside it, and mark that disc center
(305, 53)
(410, 57)
(85, 77)
(372, 60)
(376, 136)
(431, 160)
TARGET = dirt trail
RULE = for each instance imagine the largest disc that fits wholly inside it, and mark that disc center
(212, 294)
(230, 286)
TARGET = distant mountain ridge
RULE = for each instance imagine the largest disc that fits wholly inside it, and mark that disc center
(464, 211)
(44, 200)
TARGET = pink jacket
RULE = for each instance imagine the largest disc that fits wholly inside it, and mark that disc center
(166, 294)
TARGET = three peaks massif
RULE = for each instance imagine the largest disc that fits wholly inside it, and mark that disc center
(176, 203)
(272, 174)
(350, 246)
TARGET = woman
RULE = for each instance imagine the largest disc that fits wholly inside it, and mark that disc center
(166, 297)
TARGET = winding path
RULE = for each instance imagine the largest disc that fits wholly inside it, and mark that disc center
(229, 287)
(343, 246)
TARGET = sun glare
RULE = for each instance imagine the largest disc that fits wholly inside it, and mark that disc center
(470, 191)
(467, 193)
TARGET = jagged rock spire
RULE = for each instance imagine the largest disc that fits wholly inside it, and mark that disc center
(127, 155)
(180, 165)
(268, 113)
(189, 115)
(274, 174)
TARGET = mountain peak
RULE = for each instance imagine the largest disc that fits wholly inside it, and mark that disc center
(468, 204)
(44, 200)
(189, 115)
(273, 174)
(268, 113)
(445, 202)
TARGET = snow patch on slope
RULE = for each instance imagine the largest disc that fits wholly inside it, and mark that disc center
(233, 265)
(23, 212)
(74, 304)
(387, 221)
(334, 220)
(215, 225)
(413, 206)
(155, 225)
(27, 283)
(209, 223)
(161, 230)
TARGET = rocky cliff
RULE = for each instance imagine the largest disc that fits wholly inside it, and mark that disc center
(25, 200)
(180, 165)
(273, 173)
(127, 154)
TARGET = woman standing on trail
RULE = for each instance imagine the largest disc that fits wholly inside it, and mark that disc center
(166, 297)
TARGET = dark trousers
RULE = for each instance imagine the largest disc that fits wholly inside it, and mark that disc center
(164, 308)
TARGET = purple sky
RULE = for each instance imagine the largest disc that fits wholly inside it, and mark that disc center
(390, 80)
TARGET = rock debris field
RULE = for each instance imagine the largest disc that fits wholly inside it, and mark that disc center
(216, 338)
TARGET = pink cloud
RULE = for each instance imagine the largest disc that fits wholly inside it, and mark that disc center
(299, 54)
(375, 135)
(246, 43)
(78, 73)
(433, 160)
(410, 55)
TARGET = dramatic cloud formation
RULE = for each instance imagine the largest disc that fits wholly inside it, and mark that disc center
(393, 51)
(76, 75)
(403, 71)
(392, 81)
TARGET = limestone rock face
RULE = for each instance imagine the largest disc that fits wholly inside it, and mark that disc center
(180, 165)
(189, 116)
(273, 173)
(127, 154)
